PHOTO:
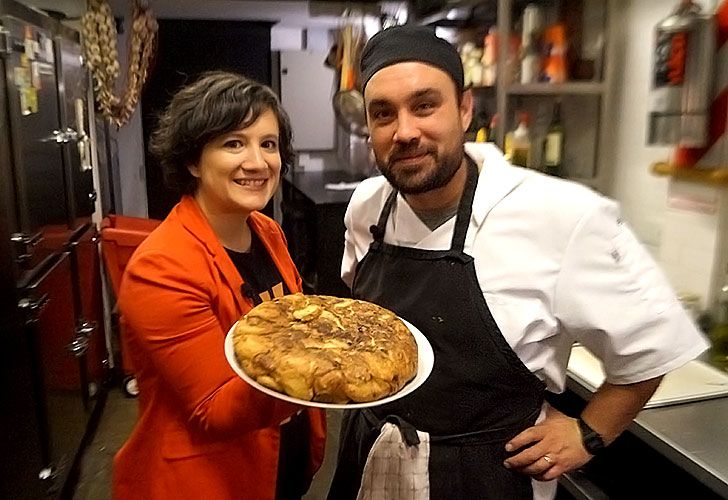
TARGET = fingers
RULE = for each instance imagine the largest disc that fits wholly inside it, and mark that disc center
(529, 458)
(543, 468)
(554, 471)
(533, 461)
(531, 435)
(531, 466)
(547, 449)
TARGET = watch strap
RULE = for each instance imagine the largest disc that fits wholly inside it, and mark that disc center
(591, 439)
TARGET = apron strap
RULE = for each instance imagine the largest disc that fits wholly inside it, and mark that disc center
(465, 208)
(408, 431)
(378, 229)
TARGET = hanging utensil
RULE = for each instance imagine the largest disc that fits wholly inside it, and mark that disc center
(349, 112)
(348, 102)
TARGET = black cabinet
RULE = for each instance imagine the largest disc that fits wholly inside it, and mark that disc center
(50, 300)
(313, 220)
(20, 440)
(631, 467)
(58, 364)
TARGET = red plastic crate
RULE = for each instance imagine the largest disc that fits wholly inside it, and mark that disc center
(120, 237)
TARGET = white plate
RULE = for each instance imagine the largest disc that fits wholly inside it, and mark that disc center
(425, 361)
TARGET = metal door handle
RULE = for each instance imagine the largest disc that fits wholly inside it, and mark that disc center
(33, 306)
(62, 136)
(72, 135)
(25, 239)
(84, 152)
(78, 345)
(86, 328)
(48, 475)
(25, 244)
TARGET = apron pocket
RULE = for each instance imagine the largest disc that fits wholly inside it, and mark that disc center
(476, 472)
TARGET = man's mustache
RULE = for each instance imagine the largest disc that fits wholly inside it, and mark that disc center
(400, 153)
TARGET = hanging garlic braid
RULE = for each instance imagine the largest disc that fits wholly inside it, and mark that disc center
(99, 45)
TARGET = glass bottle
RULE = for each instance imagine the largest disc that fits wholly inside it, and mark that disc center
(493, 128)
(521, 142)
(553, 148)
(719, 333)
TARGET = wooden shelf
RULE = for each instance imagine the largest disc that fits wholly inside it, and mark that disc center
(573, 88)
(714, 176)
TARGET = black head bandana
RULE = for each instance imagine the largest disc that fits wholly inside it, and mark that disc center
(410, 43)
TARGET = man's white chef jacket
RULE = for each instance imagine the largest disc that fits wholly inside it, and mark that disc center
(556, 265)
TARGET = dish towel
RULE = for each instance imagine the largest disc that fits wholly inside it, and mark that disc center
(395, 470)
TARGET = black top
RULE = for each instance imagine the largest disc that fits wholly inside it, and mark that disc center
(261, 279)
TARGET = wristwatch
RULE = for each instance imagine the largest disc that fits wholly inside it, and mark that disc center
(591, 439)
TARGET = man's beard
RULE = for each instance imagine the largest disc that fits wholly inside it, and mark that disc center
(445, 168)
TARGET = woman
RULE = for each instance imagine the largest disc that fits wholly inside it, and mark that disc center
(203, 432)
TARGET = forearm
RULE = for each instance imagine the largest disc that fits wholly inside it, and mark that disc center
(238, 408)
(613, 407)
(558, 436)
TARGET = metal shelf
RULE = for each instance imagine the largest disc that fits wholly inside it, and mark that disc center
(570, 88)
(459, 13)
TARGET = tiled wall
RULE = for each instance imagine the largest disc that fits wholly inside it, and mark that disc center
(688, 250)
(685, 240)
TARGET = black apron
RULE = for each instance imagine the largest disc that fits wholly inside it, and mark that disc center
(479, 394)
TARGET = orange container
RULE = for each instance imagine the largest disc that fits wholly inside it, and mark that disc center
(120, 237)
(555, 44)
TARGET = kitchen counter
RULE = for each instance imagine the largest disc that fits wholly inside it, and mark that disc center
(693, 436)
(313, 185)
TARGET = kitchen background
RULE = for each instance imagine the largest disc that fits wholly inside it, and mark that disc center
(684, 224)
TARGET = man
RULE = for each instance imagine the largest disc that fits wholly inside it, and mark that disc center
(502, 269)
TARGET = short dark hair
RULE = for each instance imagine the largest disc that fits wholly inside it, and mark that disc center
(216, 103)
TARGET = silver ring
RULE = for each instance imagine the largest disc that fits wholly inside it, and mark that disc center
(547, 458)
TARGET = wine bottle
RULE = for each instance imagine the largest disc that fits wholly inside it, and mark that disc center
(553, 150)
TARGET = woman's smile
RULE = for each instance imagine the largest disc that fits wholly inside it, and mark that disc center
(250, 183)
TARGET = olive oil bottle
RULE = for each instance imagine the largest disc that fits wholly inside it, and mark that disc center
(519, 143)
